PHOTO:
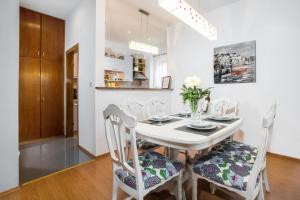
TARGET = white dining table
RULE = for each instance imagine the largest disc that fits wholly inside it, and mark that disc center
(167, 135)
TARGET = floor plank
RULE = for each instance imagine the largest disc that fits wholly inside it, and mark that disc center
(94, 181)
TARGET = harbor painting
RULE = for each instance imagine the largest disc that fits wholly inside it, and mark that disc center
(235, 63)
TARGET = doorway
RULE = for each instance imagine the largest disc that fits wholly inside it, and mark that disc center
(72, 60)
(48, 109)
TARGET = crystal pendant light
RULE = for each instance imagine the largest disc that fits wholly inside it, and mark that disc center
(139, 46)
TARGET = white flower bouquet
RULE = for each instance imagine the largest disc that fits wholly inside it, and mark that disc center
(192, 93)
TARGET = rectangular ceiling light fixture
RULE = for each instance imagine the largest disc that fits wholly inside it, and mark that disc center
(143, 47)
(186, 13)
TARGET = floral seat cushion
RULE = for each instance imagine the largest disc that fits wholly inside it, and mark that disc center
(224, 169)
(155, 169)
(239, 151)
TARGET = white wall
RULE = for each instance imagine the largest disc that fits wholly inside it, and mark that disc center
(9, 79)
(81, 29)
(99, 69)
(119, 97)
(105, 97)
(100, 42)
(275, 26)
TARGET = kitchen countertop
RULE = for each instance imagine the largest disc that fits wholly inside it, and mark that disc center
(129, 88)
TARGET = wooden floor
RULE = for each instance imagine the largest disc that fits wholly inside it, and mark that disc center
(94, 180)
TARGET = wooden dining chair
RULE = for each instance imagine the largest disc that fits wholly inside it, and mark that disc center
(235, 166)
(144, 172)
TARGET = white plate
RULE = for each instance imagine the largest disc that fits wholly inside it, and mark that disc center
(160, 119)
(221, 118)
(197, 123)
(210, 127)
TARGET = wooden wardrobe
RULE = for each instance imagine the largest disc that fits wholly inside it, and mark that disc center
(41, 76)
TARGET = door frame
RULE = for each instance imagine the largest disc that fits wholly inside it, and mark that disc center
(69, 89)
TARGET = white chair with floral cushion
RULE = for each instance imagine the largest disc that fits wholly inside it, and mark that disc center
(245, 152)
(139, 110)
(235, 166)
(224, 106)
(136, 108)
(143, 173)
(155, 106)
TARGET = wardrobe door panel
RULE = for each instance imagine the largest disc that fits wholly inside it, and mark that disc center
(30, 33)
(29, 99)
(53, 41)
(52, 96)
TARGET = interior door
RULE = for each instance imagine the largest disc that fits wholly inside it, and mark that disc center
(52, 96)
(52, 76)
(29, 99)
(70, 93)
(30, 35)
(53, 41)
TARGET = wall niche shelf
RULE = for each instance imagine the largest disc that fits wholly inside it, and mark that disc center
(107, 56)
(111, 54)
(139, 69)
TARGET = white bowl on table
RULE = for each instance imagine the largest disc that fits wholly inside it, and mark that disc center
(199, 124)
(222, 117)
(160, 118)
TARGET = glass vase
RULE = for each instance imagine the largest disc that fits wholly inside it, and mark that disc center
(194, 109)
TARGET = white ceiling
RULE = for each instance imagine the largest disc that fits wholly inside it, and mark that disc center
(57, 8)
(123, 22)
(209, 5)
(122, 16)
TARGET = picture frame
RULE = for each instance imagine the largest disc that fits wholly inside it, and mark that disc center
(166, 82)
(235, 63)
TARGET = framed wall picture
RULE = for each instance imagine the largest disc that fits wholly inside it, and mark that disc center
(235, 63)
(166, 82)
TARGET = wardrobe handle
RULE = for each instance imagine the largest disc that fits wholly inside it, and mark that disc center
(43, 99)
(38, 52)
(43, 54)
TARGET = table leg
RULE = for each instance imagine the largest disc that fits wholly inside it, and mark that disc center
(186, 179)
(173, 153)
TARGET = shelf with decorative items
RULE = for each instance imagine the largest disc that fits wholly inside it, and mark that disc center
(113, 78)
(110, 54)
(139, 69)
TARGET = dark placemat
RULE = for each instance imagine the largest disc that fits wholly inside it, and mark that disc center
(223, 122)
(200, 132)
(160, 124)
(182, 116)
